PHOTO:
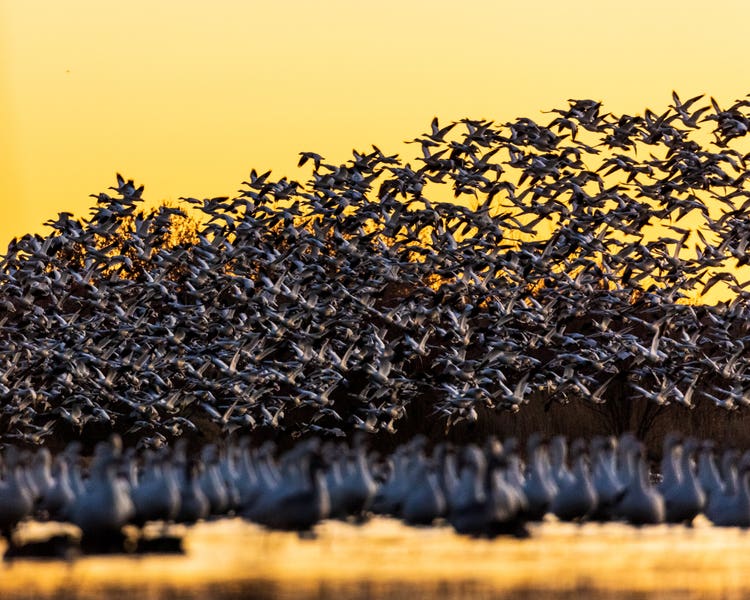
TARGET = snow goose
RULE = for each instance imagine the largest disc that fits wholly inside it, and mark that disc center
(261, 476)
(642, 504)
(732, 509)
(16, 500)
(576, 497)
(730, 478)
(105, 504)
(194, 505)
(300, 499)
(670, 462)
(686, 498)
(389, 497)
(60, 495)
(356, 487)
(156, 496)
(72, 456)
(468, 502)
(609, 489)
(508, 504)
(424, 500)
(558, 454)
(228, 468)
(708, 472)
(212, 482)
(40, 472)
(539, 486)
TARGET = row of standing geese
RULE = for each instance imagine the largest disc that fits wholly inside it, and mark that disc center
(480, 491)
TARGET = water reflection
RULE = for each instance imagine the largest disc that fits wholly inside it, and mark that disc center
(230, 560)
(367, 590)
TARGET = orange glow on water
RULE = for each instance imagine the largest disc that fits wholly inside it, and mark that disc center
(602, 559)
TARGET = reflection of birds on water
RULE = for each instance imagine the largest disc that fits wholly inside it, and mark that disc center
(480, 491)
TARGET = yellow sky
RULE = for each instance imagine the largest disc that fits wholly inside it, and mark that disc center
(186, 96)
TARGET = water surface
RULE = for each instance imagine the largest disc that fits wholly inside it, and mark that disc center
(384, 559)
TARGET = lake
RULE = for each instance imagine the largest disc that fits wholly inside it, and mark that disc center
(383, 559)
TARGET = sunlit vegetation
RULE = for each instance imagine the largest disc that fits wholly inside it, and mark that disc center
(574, 261)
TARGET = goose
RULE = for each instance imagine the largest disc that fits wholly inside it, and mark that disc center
(300, 500)
(390, 495)
(609, 489)
(641, 504)
(670, 462)
(483, 502)
(156, 496)
(506, 473)
(469, 502)
(508, 504)
(211, 481)
(194, 506)
(730, 478)
(230, 474)
(105, 504)
(247, 475)
(514, 468)
(558, 453)
(576, 496)
(60, 495)
(686, 498)
(732, 509)
(424, 500)
(448, 475)
(25, 457)
(625, 466)
(16, 499)
(355, 488)
(260, 478)
(708, 473)
(40, 473)
(71, 456)
(334, 479)
(539, 486)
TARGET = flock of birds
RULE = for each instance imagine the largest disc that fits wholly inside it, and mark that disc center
(565, 267)
(482, 491)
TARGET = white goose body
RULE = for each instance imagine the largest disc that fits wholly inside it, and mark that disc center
(105, 504)
(16, 499)
(353, 488)
(708, 473)
(424, 500)
(609, 489)
(300, 500)
(685, 499)
(469, 500)
(539, 487)
(156, 497)
(576, 497)
(732, 509)
(642, 504)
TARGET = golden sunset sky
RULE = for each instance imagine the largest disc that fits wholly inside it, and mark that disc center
(187, 96)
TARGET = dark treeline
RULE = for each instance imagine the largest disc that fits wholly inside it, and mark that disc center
(559, 289)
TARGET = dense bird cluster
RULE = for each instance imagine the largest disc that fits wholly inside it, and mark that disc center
(565, 264)
(481, 491)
